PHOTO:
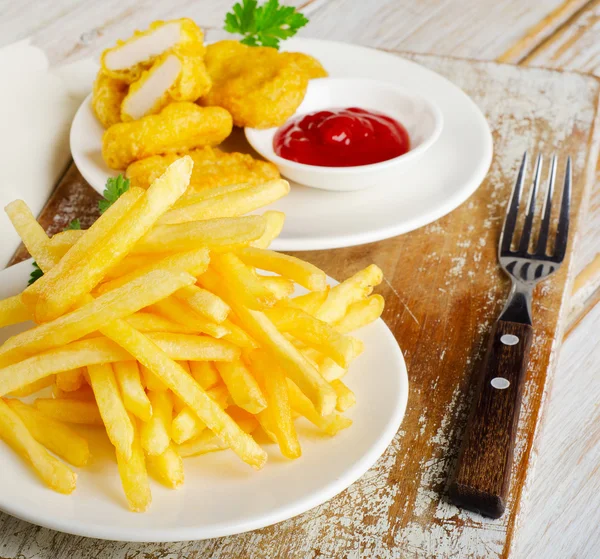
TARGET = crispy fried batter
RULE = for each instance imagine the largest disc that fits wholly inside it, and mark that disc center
(178, 127)
(107, 96)
(212, 167)
(309, 65)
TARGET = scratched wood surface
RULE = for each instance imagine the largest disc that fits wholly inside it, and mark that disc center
(443, 289)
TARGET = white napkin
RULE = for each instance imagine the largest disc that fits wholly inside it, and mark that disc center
(37, 105)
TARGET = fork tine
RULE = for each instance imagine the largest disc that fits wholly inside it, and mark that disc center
(512, 209)
(528, 225)
(547, 211)
(562, 231)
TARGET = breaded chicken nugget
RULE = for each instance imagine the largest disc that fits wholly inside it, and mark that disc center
(307, 64)
(178, 127)
(107, 96)
(212, 167)
(259, 86)
(128, 59)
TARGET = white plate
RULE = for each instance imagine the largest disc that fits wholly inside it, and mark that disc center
(221, 495)
(442, 180)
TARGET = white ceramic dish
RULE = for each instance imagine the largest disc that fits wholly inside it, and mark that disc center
(445, 176)
(421, 118)
(221, 495)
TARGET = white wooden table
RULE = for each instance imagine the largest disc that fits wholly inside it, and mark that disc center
(562, 512)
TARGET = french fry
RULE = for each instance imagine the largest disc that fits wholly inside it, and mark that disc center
(259, 327)
(151, 381)
(190, 198)
(121, 302)
(114, 415)
(150, 322)
(134, 476)
(156, 433)
(193, 262)
(242, 386)
(84, 393)
(32, 234)
(70, 410)
(68, 289)
(55, 436)
(34, 387)
(185, 365)
(167, 467)
(345, 397)
(184, 347)
(203, 302)
(349, 291)
(212, 233)
(13, 311)
(69, 381)
(205, 373)
(360, 314)
(274, 225)
(81, 249)
(135, 399)
(131, 263)
(280, 287)
(330, 424)
(63, 241)
(330, 370)
(303, 273)
(188, 390)
(315, 333)
(242, 280)
(274, 385)
(231, 204)
(237, 336)
(178, 311)
(309, 302)
(53, 472)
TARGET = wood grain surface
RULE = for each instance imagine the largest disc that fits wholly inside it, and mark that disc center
(443, 290)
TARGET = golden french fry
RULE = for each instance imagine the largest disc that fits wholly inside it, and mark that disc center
(135, 399)
(242, 386)
(231, 204)
(190, 198)
(131, 263)
(53, 472)
(82, 412)
(242, 280)
(134, 476)
(309, 302)
(167, 467)
(330, 424)
(112, 410)
(274, 385)
(81, 250)
(83, 393)
(193, 262)
(151, 381)
(203, 302)
(205, 373)
(237, 336)
(34, 387)
(69, 288)
(13, 311)
(330, 370)
(345, 397)
(212, 233)
(349, 291)
(360, 314)
(274, 225)
(150, 322)
(303, 273)
(118, 303)
(259, 327)
(32, 234)
(188, 390)
(179, 311)
(315, 333)
(69, 381)
(55, 436)
(61, 242)
(184, 347)
(280, 287)
(156, 433)
(185, 365)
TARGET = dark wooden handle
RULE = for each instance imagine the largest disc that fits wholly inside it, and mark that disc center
(483, 473)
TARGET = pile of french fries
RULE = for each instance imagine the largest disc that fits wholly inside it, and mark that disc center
(159, 324)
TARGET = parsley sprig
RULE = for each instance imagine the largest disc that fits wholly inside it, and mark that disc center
(264, 25)
(115, 187)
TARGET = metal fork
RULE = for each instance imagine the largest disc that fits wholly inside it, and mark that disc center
(482, 476)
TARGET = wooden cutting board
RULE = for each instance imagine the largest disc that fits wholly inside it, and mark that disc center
(443, 290)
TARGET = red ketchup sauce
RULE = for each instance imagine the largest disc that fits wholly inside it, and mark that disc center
(341, 138)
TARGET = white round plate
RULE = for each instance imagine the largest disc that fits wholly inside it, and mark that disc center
(221, 495)
(315, 219)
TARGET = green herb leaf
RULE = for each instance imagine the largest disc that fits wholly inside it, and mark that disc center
(264, 25)
(36, 273)
(75, 224)
(115, 187)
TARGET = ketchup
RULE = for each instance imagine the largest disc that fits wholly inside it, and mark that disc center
(341, 138)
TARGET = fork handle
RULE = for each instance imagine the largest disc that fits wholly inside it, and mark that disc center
(484, 465)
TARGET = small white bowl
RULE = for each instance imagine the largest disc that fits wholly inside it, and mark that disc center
(421, 118)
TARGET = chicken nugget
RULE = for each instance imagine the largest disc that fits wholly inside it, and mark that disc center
(178, 127)
(107, 96)
(307, 64)
(128, 59)
(176, 75)
(212, 167)
(259, 86)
